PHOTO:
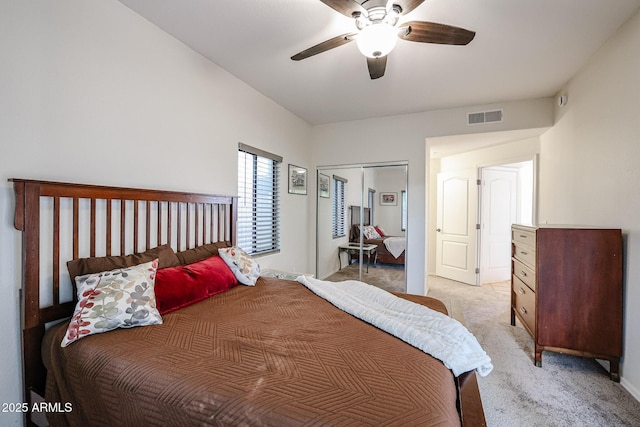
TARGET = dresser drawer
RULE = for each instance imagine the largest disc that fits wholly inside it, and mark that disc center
(524, 273)
(525, 254)
(524, 236)
(525, 303)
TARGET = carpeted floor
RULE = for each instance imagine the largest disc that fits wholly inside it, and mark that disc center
(565, 391)
(386, 276)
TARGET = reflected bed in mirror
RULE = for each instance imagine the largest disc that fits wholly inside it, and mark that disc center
(390, 248)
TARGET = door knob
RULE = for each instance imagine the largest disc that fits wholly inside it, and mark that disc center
(438, 230)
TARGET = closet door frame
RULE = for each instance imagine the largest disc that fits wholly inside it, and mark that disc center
(364, 193)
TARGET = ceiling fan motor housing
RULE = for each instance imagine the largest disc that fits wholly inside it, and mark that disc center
(378, 15)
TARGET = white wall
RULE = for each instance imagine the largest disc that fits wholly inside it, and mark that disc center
(402, 138)
(391, 179)
(93, 93)
(589, 169)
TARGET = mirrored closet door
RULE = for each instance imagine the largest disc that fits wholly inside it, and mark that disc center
(361, 224)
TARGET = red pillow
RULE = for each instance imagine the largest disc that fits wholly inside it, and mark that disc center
(184, 285)
(379, 231)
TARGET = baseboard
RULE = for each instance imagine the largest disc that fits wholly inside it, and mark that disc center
(624, 383)
(630, 388)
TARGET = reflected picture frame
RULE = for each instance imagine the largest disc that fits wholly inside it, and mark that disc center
(324, 188)
(297, 180)
(388, 199)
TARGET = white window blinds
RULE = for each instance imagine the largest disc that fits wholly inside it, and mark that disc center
(338, 207)
(258, 200)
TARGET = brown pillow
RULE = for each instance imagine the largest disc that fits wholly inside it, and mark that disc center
(201, 252)
(166, 256)
(79, 267)
(355, 233)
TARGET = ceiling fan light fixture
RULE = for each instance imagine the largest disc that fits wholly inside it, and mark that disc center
(377, 40)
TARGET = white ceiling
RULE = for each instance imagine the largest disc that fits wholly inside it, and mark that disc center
(523, 49)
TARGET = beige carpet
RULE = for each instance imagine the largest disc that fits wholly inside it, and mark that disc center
(565, 391)
(386, 276)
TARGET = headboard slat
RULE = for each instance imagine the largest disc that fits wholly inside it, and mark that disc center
(56, 251)
(214, 225)
(179, 244)
(160, 241)
(92, 240)
(76, 221)
(123, 226)
(220, 213)
(148, 226)
(108, 226)
(169, 224)
(136, 228)
(197, 234)
(189, 205)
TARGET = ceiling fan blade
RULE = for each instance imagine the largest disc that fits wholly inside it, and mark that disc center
(377, 67)
(346, 7)
(408, 5)
(324, 46)
(432, 32)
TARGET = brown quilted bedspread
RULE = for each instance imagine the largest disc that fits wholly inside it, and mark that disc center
(270, 355)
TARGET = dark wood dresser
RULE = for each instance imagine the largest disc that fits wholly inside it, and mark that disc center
(566, 290)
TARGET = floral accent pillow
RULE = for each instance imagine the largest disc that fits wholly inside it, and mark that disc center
(120, 298)
(369, 232)
(245, 268)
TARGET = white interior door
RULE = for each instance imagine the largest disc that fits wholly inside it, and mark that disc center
(498, 212)
(456, 238)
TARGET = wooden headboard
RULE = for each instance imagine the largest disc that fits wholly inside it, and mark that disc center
(355, 215)
(63, 221)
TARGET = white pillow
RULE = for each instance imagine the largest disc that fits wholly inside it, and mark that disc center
(370, 232)
(245, 268)
(120, 298)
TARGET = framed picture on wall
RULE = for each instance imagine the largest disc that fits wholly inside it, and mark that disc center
(297, 180)
(388, 199)
(323, 186)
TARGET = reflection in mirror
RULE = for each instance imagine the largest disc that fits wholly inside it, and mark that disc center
(368, 243)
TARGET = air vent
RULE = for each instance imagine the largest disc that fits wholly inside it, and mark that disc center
(479, 118)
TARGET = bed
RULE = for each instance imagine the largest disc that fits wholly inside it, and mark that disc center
(384, 254)
(269, 354)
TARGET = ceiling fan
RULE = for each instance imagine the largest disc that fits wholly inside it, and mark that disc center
(378, 31)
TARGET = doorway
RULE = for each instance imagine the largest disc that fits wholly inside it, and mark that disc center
(474, 213)
(506, 198)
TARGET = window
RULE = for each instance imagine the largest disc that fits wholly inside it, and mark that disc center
(403, 202)
(258, 200)
(372, 200)
(338, 207)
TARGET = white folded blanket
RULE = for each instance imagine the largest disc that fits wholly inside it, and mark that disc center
(435, 333)
(395, 245)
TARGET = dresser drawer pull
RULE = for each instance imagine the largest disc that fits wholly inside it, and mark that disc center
(523, 236)
(523, 310)
(521, 291)
(523, 253)
(523, 273)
